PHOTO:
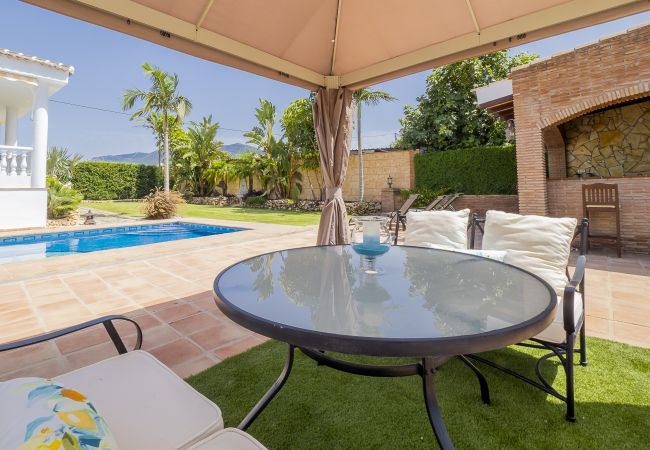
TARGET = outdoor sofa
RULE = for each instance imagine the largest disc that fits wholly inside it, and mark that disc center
(539, 244)
(143, 403)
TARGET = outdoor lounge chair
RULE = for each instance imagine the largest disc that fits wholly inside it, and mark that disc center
(399, 217)
(442, 202)
(144, 403)
(569, 324)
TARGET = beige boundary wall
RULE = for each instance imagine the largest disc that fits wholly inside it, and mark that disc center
(377, 165)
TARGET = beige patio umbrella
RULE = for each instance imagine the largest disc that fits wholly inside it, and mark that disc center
(334, 44)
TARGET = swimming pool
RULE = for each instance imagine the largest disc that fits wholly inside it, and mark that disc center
(46, 245)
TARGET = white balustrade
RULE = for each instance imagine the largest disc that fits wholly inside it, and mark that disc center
(15, 166)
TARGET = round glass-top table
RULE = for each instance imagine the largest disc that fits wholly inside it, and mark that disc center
(408, 301)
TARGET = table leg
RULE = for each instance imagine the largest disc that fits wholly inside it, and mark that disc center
(439, 429)
(485, 390)
(271, 393)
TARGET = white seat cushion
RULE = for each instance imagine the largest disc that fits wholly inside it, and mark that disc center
(446, 229)
(539, 244)
(555, 331)
(144, 403)
(229, 439)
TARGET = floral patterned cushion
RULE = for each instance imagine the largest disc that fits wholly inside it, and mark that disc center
(39, 414)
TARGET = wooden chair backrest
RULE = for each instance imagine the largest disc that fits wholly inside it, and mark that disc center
(600, 194)
(408, 203)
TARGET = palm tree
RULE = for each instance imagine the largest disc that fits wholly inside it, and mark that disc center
(262, 134)
(371, 98)
(247, 166)
(220, 171)
(202, 150)
(61, 163)
(161, 98)
(176, 134)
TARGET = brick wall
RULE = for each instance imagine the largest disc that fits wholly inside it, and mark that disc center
(565, 200)
(481, 203)
(555, 90)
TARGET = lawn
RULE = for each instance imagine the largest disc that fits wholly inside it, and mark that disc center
(216, 212)
(320, 408)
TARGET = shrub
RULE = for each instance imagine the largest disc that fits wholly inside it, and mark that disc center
(479, 170)
(114, 181)
(61, 200)
(425, 195)
(256, 200)
(158, 205)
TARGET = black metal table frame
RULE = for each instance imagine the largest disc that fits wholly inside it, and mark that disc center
(314, 344)
(426, 369)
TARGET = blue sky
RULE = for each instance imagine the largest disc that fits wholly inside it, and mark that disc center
(106, 63)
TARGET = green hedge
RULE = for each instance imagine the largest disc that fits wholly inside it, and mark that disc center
(480, 170)
(113, 181)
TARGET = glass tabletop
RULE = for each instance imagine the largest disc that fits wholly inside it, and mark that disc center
(406, 294)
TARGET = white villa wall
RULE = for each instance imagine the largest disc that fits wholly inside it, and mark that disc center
(26, 82)
(23, 208)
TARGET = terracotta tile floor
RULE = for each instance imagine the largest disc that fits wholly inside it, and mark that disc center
(166, 288)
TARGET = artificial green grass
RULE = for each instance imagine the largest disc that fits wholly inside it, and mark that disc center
(321, 408)
(133, 209)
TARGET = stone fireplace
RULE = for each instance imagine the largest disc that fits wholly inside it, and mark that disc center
(610, 143)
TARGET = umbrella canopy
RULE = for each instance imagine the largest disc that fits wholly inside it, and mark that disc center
(334, 43)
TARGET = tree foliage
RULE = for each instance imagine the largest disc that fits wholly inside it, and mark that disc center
(479, 171)
(98, 180)
(61, 200)
(177, 137)
(261, 135)
(298, 127)
(447, 115)
(193, 160)
(281, 160)
(61, 163)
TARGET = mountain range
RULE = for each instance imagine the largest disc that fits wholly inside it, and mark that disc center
(152, 157)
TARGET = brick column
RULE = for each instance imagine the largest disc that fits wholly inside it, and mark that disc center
(555, 152)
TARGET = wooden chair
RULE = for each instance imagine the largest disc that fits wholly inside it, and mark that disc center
(603, 197)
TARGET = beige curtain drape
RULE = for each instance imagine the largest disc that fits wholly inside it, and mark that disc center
(333, 123)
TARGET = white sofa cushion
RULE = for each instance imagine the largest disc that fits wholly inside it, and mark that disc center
(447, 229)
(229, 439)
(541, 245)
(144, 403)
(555, 331)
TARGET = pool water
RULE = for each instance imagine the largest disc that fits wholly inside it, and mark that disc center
(38, 246)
